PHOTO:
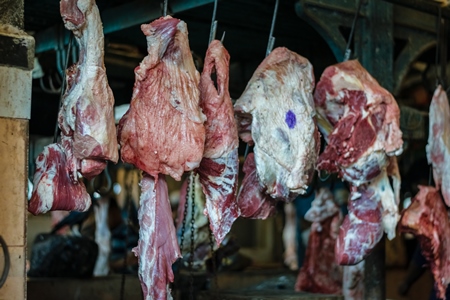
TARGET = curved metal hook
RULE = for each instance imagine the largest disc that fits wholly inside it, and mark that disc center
(323, 178)
(103, 190)
(7, 262)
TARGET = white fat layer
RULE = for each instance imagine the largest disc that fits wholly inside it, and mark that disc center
(221, 217)
(284, 154)
(389, 203)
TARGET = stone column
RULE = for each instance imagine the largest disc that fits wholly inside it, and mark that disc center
(16, 64)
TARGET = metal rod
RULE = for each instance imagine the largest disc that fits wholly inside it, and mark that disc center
(270, 44)
(212, 31)
(165, 7)
(423, 6)
(271, 41)
(348, 51)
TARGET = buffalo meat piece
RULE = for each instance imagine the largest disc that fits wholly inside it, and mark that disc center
(365, 118)
(86, 117)
(219, 167)
(320, 273)
(438, 148)
(428, 220)
(252, 201)
(53, 187)
(157, 247)
(362, 228)
(276, 114)
(163, 131)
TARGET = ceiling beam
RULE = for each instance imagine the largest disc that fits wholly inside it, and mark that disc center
(117, 18)
(424, 6)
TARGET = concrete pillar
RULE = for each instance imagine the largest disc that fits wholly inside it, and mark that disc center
(16, 64)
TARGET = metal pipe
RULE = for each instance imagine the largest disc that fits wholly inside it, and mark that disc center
(423, 6)
(118, 18)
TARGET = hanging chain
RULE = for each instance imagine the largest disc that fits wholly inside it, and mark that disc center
(191, 257)
(213, 259)
(183, 226)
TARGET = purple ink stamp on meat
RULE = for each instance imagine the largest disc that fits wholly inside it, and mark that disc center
(291, 120)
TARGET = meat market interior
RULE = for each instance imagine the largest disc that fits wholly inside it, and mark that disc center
(224, 149)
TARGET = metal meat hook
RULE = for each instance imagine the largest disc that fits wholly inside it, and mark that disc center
(212, 31)
(271, 41)
(165, 7)
(348, 51)
(270, 45)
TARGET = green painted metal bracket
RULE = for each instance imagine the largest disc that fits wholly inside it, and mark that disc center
(379, 25)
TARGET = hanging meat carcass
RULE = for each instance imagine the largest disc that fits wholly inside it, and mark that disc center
(86, 120)
(157, 247)
(253, 203)
(191, 190)
(276, 114)
(162, 133)
(438, 148)
(219, 167)
(320, 273)
(366, 121)
(361, 229)
(428, 220)
(364, 139)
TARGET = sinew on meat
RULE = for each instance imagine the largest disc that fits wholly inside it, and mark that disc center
(86, 120)
(162, 133)
(157, 247)
(438, 147)
(362, 143)
(163, 130)
(253, 203)
(362, 228)
(276, 114)
(366, 121)
(427, 219)
(219, 167)
(320, 273)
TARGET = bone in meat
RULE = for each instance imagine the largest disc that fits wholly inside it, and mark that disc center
(157, 247)
(362, 228)
(163, 131)
(366, 121)
(219, 167)
(278, 104)
(320, 273)
(438, 148)
(252, 201)
(428, 220)
(53, 187)
(86, 117)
